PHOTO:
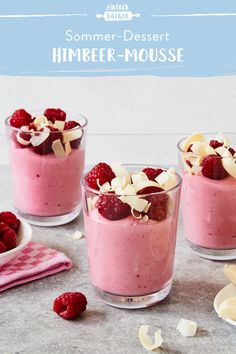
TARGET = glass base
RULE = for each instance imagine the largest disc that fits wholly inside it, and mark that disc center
(133, 302)
(209, 253)
(49, 220)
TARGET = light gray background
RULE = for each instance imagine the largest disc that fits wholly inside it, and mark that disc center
(131, 119)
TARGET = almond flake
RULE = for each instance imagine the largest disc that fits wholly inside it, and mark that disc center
(58, 149)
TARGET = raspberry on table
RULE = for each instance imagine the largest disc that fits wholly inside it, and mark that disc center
(71, 124)
(112, 208)
(19, 118)
(212, 167)
(10, 220)
(54, 114)
(101, 172)
(152, 173)
(70, 305)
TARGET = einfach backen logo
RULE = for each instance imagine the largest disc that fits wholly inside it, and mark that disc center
(117, 12)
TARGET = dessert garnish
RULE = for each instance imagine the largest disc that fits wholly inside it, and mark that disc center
(146, 341)
(140, 194)
(70, 305)
(9, 226)
(47, 133)
(227, 309)
(187, 328)
(214, 159)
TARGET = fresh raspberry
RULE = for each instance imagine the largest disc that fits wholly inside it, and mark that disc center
(71, 124)
(212, 167)
(32, 126)
(152, 173)
(8, 238)
(2, 247)
(215, 144)
(19, 118)
(112, 208)
(101, 172)
(70, 305)
(46, 146)
(232, 151)
(54, 114)
(10, 220)
(159, 206)
(149, 190)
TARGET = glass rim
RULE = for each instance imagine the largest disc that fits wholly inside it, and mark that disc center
(190, 153)
(97, 192)
(83, 125)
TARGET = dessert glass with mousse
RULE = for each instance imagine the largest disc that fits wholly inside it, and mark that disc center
(208, 164)
(130, 216)
(47, 151)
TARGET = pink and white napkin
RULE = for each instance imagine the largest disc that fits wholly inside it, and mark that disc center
(34, 262)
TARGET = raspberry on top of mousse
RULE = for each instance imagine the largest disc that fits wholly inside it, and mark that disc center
(48, 133)
(214, 159)
(9, 226)
(141, 195)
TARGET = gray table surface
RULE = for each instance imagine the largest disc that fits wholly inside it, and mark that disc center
(28, 324)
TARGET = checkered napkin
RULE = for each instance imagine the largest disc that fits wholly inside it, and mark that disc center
(34, 262)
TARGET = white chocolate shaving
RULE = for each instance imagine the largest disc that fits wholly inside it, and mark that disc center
(223, 151)
(135, 202)
(196, 170)
(196, 137)
(59, 124)
(227, 309)
(68, 148)
(76, 236)
(119, 190)
(202, 149)
(145, 218)
(145, 210)
(167, 179)
(130, 189)
(229, 164)
(138, 177)
(40, 122)
(146, 340)
(230, 272)
(71, 135)
(222, 139)
(118, 182)
(135, 215)
(21, 140)
(106, 187)
(187, 328)
(58, 149)
(121, 171)
(37, 140)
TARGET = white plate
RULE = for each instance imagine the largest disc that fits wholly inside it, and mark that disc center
(24, 236)
(227, 292)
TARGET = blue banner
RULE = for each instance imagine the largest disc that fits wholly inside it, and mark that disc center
(151, 37)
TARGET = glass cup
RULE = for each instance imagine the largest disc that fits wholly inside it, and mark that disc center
(46, 182)
(209, 206)
(130, 261)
